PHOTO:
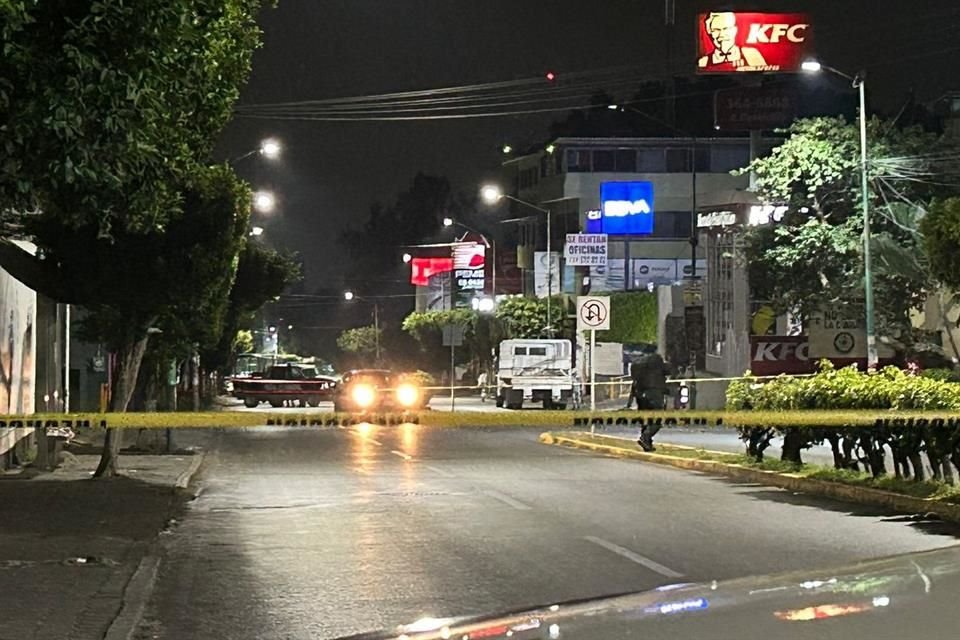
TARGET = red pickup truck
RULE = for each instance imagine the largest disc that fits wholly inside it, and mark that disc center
(285, 383)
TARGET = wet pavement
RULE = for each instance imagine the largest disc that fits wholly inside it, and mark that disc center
(316, 533)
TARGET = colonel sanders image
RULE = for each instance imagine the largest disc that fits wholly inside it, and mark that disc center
(722, 29)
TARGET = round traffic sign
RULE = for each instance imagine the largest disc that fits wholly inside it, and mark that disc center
(593, 313)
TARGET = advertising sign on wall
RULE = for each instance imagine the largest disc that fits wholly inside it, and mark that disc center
(586, 249)
(423, 269)
(626, 209)
(469, 265)
(734, 42)
(754, 108)
(540, 280)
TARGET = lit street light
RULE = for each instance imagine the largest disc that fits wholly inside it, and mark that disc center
(492, 194)
(270, 148)
(256, 231)
(407, 258)
(859, 82)
(264, 201)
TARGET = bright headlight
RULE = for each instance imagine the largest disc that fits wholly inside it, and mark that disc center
(408, 395)
(363, 395)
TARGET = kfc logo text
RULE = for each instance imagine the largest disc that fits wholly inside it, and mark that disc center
(772, 33)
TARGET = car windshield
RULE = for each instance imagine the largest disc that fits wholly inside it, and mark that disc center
(329, 317)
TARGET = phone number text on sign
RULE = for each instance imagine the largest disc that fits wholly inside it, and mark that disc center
(586, 250)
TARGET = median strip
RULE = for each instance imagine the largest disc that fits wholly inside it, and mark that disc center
(906, 496)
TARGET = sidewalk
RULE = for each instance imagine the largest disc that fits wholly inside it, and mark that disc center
(69, 545)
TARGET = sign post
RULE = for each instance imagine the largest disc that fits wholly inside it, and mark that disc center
(593, 314)
(453, 338)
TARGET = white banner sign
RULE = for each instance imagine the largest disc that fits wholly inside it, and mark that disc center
(586, 249)
(540, 280)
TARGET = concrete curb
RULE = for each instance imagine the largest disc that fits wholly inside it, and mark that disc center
(183, 480)
(789, 481)
(135, 597)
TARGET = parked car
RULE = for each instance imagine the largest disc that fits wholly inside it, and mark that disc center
(284, 383)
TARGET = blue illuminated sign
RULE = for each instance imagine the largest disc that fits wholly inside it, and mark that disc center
(626, 210)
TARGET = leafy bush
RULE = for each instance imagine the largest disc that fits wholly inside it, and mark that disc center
(633, 319)
(853, 447)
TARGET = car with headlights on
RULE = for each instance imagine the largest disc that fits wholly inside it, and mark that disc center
(368, 390)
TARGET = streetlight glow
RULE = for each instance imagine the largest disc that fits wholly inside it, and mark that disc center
(811, 66)
(507, 148)
(264, 201)
(491, 194)
(348, 295)
(407, 258)
(256, 231)
(270, 148)
(448, 222)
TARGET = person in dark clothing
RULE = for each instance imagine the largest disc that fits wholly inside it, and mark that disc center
(649, 388)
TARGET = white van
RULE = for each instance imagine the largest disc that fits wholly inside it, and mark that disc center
(535, 371)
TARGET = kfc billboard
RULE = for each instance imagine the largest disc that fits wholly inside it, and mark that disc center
(731, 42)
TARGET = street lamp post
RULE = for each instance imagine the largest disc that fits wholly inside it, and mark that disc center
(490, 244)
(492, 194)
(270, 148)
(859, 82)
(349, 296)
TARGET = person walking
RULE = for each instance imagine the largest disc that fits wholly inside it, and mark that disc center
(482, 385)
(649, 389)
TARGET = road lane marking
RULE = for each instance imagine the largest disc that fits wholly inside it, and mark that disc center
(507, 500)
(401, 454)
(439, 471)
(634, 557)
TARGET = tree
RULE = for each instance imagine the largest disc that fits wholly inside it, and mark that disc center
(813, 256)
(941, 238)
(633, 319)
(262, 275)
(362, 342)
(243, 343)
(527, 317)
(108, 114)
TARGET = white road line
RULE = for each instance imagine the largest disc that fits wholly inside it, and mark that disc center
(401, 454)
(507, 500)
(635, 557)
(363, 437)
(439, 471)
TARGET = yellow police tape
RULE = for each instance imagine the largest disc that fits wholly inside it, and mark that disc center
(559, 419)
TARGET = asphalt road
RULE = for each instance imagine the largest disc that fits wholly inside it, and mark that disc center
(306, 533)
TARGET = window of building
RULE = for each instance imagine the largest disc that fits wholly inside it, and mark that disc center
(678, 160)
(626, 161)
(603, 160)
(726, 158)
(519, 351)
(544, 166)
(578, 160)
(650, 161)
(538, 351)
(671, 224)
(702, 161)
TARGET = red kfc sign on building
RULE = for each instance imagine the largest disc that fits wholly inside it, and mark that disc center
(732, 42)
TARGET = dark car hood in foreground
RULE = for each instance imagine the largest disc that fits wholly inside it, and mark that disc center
(911, 596)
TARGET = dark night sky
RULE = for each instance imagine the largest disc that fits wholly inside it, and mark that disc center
(315, 49)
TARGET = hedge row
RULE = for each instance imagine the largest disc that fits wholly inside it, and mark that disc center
(857, 448)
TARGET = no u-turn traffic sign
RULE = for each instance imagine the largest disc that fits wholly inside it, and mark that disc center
(593, 313)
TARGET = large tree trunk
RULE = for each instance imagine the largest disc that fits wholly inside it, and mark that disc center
(129, 358)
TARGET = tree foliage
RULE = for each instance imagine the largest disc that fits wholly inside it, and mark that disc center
(360, 341)
(941, 237)
(106, 106)
(814, 255)
(527, 317)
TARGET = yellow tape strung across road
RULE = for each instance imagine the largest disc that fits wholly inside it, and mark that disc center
(560, 419)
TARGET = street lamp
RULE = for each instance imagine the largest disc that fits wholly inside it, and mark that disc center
(859, 82)
(264, 201)
(407, 258)
(256, 231)
(270, 148)
(350, 296)
(489, 244)
(492, 194)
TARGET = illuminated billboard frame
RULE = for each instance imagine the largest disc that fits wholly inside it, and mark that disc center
(626, 209)
(737, 42)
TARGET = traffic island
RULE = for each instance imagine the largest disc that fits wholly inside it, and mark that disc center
(907, 496)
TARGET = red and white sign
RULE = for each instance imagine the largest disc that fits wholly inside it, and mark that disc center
(469, 266)
(422, 269)
(773, 355)
(733, 42)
